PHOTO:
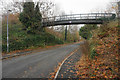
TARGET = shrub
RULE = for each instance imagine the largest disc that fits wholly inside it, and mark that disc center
(93, 53)
(19, 40)
(85, 31)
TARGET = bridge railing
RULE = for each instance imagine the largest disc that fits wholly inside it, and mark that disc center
(78, 16)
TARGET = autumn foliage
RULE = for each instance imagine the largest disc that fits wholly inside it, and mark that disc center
(104, 62)
(13, 19)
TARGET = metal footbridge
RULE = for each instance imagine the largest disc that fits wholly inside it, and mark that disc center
(89, 18)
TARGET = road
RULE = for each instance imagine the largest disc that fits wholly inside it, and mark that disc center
(36, 65)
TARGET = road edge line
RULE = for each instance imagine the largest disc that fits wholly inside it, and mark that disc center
(63, 63)
(11, 56)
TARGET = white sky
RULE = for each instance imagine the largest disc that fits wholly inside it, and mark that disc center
(79, 6)
(82, 6)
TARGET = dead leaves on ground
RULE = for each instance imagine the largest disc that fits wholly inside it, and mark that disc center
(106, 64)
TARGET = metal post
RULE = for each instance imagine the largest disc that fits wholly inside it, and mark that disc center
(66, 33)
(8, 31)
(7, 34)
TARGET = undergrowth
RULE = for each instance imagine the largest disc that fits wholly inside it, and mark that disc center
(19, 39)
(102, 59)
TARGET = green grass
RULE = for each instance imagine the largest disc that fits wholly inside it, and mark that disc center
(118, 26)
(93, 53)
(19, 39)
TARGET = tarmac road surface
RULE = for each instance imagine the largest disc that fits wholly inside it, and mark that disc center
(36, 65)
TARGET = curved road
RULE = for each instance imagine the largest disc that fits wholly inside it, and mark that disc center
(37, 65)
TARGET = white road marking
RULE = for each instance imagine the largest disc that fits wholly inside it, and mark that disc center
(63, 63)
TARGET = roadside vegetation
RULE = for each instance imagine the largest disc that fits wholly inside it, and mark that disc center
(26, 33)
(19, 39)
(100, 58)
(85, 31)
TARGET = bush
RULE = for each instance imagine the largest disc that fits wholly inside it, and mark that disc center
(85, 31)
(33, 41)
(16, 46)
(19, 40)
(4, 48)
(93, 53)
(118, 26)
(52, 40)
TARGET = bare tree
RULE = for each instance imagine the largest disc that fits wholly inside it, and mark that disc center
(46, 8)
(112, 7)
(18, 6)
(13, 5)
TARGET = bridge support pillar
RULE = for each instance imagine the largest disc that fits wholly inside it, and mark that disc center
(66, 33)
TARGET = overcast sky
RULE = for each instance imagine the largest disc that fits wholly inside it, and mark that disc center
(82, 6)
(79, 6)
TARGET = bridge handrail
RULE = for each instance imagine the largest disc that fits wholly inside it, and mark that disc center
(78, 16)
(83, 14)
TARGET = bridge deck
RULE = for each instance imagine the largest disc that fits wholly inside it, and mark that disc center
(69, 22)
(91, 18)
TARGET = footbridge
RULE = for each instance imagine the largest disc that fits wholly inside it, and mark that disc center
(89, 18)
